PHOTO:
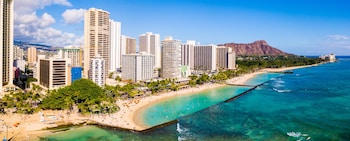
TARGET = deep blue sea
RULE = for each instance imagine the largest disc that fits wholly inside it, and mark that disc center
(310, 104)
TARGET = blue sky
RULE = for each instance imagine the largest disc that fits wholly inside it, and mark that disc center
(300, 27)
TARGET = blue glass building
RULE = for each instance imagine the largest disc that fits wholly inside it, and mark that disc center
(76, 73)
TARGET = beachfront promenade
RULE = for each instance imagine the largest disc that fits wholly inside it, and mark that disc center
(128, 117)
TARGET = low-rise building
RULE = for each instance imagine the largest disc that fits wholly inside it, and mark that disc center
(97, 71)
(53, 73)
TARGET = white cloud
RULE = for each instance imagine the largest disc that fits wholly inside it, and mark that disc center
(46, 20)
(29, 6)
(338, 37)
(73, 16)
(34, 28)
(338, 44)
(62, 2)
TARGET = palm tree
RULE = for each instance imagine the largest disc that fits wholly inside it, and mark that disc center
(36, 98)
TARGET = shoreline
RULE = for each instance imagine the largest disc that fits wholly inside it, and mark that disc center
(129, 117)
(138, 111)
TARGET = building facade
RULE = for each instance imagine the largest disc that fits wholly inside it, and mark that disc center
(53, 73)
(171, 58)
(18, 53)
(115, 61)
(138, 67)
(6, 46)
(150, 43)
(128, 46)
(205, 57)
(31, 55)
(226, 58)
(97, 72)
(187, 54)
(96, 39)
(71, 53)
(76, 73)
(20, 64)
(328, 58)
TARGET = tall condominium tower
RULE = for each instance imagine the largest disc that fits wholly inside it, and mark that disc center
(226, 58)
(205, 57)
(187, 54)
(138, 67)
(96, 38)
(96, 71)
(6, 46)
(150, 43)
(115, 45)
(171, 58)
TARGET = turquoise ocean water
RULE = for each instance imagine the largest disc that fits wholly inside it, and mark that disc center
(310, 104)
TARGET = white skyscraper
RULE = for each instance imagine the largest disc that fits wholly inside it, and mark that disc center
(115, 45)
(6, 46)
(150, 43)
(137, 67)
(96, 71)
(171, 58)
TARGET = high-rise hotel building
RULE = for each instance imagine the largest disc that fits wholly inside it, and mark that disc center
(187, 54)
(6, 46)
(115, 45)
(171, 58)
(205, 57)
(226, 58)
(150, 43)
(96, 39)
(138, 67)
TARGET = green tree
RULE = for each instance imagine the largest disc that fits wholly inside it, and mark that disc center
(118, 78)
(110, 75)
(193, 80)
(203, 79)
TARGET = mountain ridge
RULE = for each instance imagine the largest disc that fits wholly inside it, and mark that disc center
(259, 47)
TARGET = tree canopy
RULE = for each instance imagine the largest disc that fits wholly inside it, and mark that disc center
(84, 93)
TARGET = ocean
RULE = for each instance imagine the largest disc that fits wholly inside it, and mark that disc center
(310, 104)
